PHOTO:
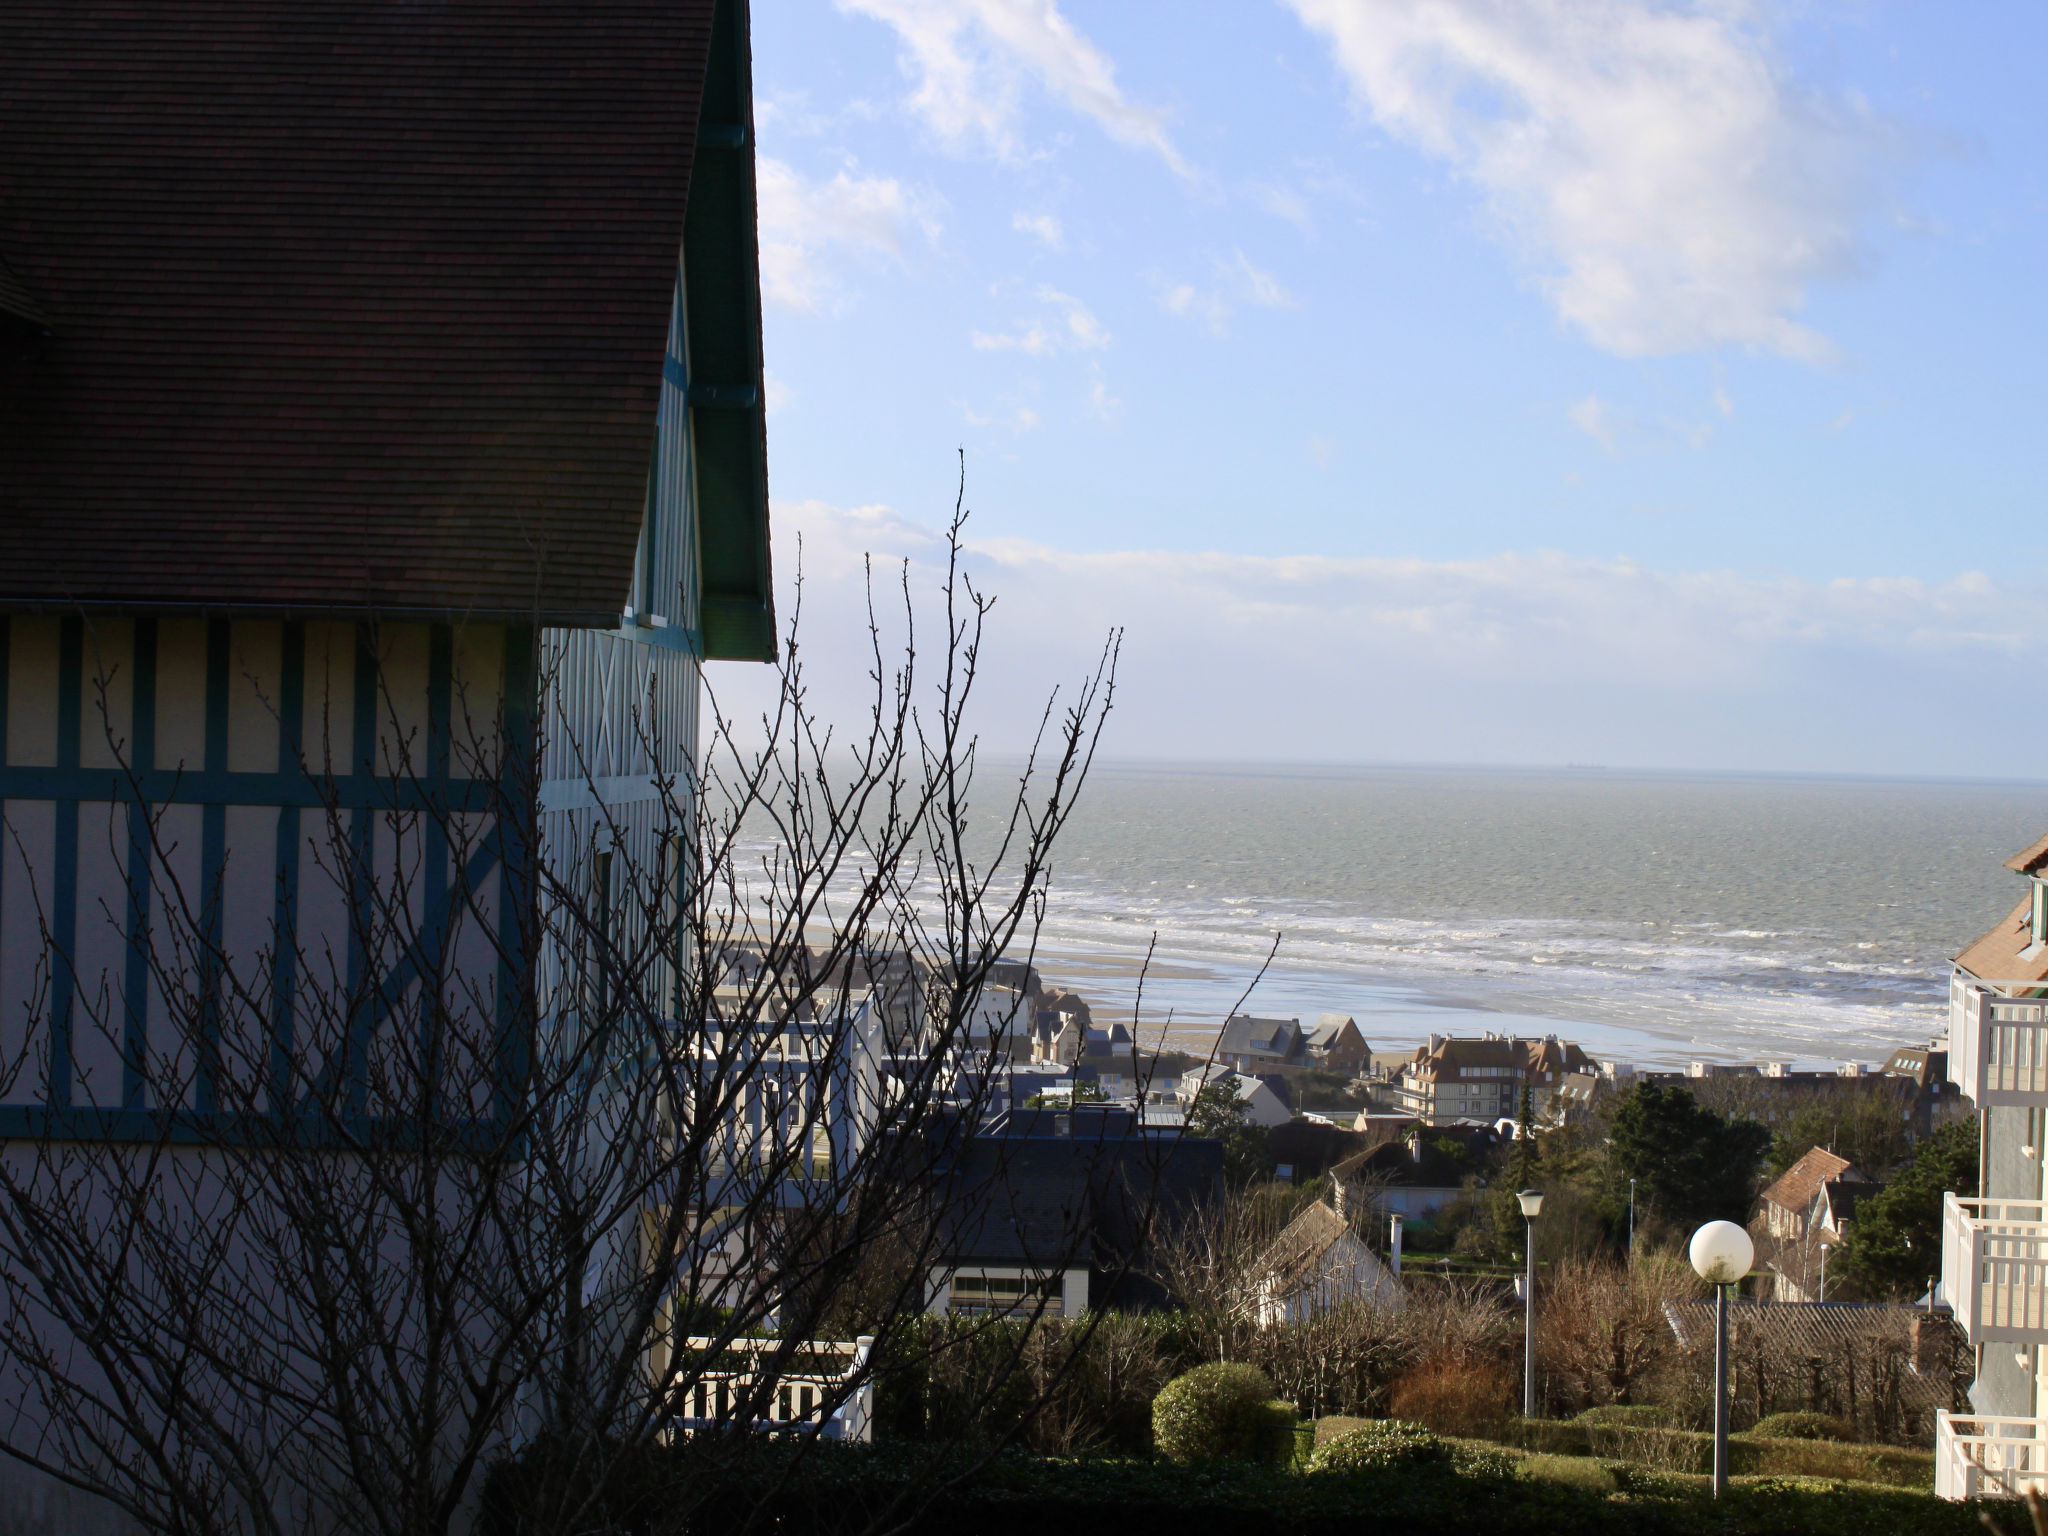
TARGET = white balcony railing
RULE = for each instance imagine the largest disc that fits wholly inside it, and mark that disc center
(1997, 1044)
(1979, 1455)
(1994, 1267)
(810, 1395)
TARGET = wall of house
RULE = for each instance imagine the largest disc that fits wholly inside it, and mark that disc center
(194, 811)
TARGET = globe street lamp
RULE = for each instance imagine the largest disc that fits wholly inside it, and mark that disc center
(1722, 1253)
(1532, 1207)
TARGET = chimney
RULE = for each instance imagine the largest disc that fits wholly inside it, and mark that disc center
(1415, 1146)
(1342, 1200)
(1394, 1249)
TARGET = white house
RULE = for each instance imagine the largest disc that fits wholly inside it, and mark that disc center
(1317, 1263)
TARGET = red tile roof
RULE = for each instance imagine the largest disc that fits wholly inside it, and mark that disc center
(1797, 1185)
(354, 305)
(1995, 956)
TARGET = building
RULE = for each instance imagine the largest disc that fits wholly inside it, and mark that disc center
(1050, 1209)
(1456, 1079)
(1421, 1173)
(382, 454)
(1261, 1045)
(1335, 1045)
(1261, 1097)
(1994, 1245)
(1806, 1211)
(1318, 1263)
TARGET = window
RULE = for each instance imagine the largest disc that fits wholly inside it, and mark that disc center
(1004, 1293)
(2039, 923)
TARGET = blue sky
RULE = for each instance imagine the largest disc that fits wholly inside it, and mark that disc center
(1455, 380)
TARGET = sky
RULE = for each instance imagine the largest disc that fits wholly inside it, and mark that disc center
(1494, 381)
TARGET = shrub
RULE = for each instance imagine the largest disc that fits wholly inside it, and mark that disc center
(1222, 1412)
(1802, 1426)
(1379, 1444)
(1636, 1416)
(1454, 1397)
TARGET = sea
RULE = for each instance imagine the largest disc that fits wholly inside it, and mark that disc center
(1655, 918)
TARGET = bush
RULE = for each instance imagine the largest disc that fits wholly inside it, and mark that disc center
(1637, 1416)
(1454, 1397)
(1379, 1444)
(1222, 1412)
(1802, 1426)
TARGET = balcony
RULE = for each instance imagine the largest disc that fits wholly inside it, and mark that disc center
(1997, 1045)
(1994, 1268)
(1980, 1455)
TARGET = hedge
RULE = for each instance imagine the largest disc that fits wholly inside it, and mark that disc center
(1748, 1454)
(847, 1488)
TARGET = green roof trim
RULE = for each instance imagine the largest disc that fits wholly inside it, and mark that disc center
(722, 297)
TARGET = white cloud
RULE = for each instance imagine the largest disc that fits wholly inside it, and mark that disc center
(805, 223)
(1043, 226)
(1236, 279)
(1072, 328)
(970, 58)
(1590, 416)
(1107, 408)
(1676, 190)
(1515, 657)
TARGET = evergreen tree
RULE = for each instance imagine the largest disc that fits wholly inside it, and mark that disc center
(1894, 1245)
(1690, 1165)
(1217, 1111)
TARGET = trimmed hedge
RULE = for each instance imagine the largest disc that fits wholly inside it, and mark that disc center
(1222, 1412)
(1748, 1454)
(835, 1488)
(1379, 1443)
(1801, 1426)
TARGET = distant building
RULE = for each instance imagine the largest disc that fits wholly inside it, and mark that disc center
(1261, 1099)
(1319, 1262)
(1335, 1045)
(1418, 1175)
(1050, 1209)
(1482, 1079)
(1261, 1045)
(1805, 1213)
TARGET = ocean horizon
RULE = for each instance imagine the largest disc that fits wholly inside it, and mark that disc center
(1657, 916)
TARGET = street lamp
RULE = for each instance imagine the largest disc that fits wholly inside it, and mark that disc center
(1722, 1253)
(1532, 1207)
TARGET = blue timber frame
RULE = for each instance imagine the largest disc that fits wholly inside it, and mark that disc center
(358, 793)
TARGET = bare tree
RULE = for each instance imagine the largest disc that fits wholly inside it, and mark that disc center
(556, 1114)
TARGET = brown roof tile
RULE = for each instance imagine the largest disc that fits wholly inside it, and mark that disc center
(354, 305)
(1996, 956)
(1797, 1185)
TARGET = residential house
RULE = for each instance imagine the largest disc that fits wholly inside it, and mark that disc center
(382, 454)
(1926, 1068)
(1457, 1079)
(1335, 1045)
(1051, 1209)
(1260, 1097)
(1261, 1045)
(1320, 1262)
(1994, 1255)
(1806, 1212)
(1424, 1171)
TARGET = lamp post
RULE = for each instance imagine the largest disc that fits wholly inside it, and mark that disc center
(1532, 1207)
(1722, 1253)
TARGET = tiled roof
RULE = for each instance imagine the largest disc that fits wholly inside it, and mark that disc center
(356, 306)
(2030, 858)
(1797, 1185)
(1302, 1244)
(1996, 956)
